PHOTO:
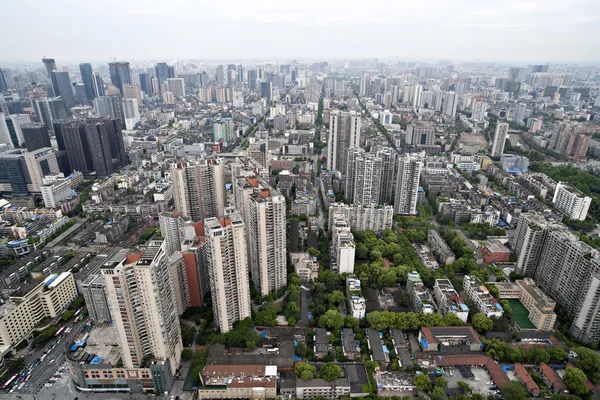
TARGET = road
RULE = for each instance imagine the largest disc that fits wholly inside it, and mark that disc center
(46, 369)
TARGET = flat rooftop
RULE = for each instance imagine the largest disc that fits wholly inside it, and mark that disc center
(102, 342)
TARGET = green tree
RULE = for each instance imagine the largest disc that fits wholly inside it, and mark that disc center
(67, 315)
(438, 393)
(514, 391)
(291, 321)
(589, 362)
(452, 319)
(332, 319)
(351, 322)
(187, 354)
(481, 323)
(330, 371)
(575, 380)
(441, 382)
(422, 382)
(304, 371)
(465, 387)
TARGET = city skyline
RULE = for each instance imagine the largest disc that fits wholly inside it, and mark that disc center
(529, 31)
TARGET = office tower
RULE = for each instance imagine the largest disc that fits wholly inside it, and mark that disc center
(499, 139)
(22, 173)
(266, 92)
(408, 171)
(80, 94)
(63, 88)
(131, 113)
(5, 138)
(343, 246)
(15, 122)
(162, 73)
(571, 201)
(120, 74)
(362, 86)
(479, 108)
(240, 73)
(363, 177)
(388, 175)
(141, 300)
(111, 106)
(98, 86)
(199, 189)
(36, 136)
(3, 84)
(70, 137)
(227, 265)
(87, 76)
(133, 92)
(146, 84)
(99, 145)
(50, 66)
(263, 210)
(344, 134)
(450, 103)
(252, 79)
(420, 135)
(516, 74)
(220, 75)
(312, 94)
(49, 110)
(176, 86)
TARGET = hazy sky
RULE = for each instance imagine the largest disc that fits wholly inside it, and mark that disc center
(507, 30)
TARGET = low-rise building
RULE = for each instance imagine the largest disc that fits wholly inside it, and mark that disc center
(322, 345)
(238, 382)
(306, 266)
(25, 308)
(495, 252)
(552, 380)
(421, 300)
(350, 346)
(379, 352)
(526, 380)
(439, 248)
(540, 306)
(435, 338)
(448, 299)
(484, 301)
(356, 303)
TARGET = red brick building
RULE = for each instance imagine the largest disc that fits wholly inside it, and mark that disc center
(495, 252)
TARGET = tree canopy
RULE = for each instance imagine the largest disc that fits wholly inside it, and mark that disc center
(304, 371)
(575, 380)
(329, 371)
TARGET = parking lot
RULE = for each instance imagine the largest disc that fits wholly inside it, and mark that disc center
(480, 382)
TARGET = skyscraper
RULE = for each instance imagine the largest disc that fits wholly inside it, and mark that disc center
(252, 79)
(162, 73)
(176, 86)
(363, 177)
(120, 74)
(263, 209)
(199, 189)
(22, 173)
(450, 103)
(266, 92)
(146, 84)
(133, 92)
(15, 122)
(499, 139)
(50, 66)
(408, 172)
(388, 175)
(49, 110)
(131, 113)
(98, 86)
(111, 106)
(70, 137)
(220, 75)
(87, 76)
(344, 134)
(63, 88)
(140, 293)
(36, 136)
(3, 85)
(227, 265)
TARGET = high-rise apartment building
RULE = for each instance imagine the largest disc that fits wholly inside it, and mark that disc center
(120, 74)
(220, 75)
(362, 217)
(227, 264)
(563, 268)
(450, 104)
(408, 172)
(141, 296)
(479, 107)
(499, 139)
(263, 209)
(199, 189)
(344, 134)
(176, 86)
(388, 175)
(363, 177)
(22, 173)
(252, 79)
(133, 91)
(87, 76)
(343, 246)
(571, 201)
(146, 84)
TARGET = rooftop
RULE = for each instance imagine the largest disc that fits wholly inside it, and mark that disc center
(102, 342)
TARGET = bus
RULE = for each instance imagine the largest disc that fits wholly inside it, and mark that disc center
(59, 331)
(10, 381)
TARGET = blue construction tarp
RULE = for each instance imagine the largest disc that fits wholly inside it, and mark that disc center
(96, 360)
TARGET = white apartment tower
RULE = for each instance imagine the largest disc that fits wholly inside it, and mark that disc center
(450, 103)
(571, 201)
(140, 294)
(363, 177)
(176, 86)
(227, 265)
(199, 188)
(343, 245)
(408, 172)
(344, 134)
(499, 139)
